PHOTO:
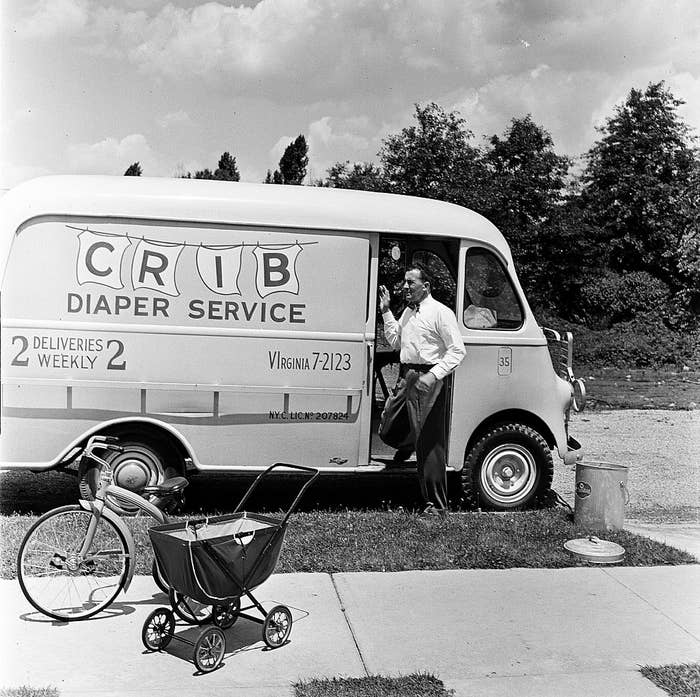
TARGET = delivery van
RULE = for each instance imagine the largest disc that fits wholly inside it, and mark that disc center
(218, 326)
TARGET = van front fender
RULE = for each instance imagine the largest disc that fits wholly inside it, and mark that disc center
(94, 507)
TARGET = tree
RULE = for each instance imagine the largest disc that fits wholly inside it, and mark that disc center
(634, 180)
(294, 161)
(570, 257)
(365, 176)
(227, 169)
(526, 188)
(689, 247)
(275, 178)
(434, 158)
(133, 170)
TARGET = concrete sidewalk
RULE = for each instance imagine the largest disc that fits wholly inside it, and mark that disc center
(685, 536)
(582, 632)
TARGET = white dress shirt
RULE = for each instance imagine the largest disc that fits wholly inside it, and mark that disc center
(427, 334)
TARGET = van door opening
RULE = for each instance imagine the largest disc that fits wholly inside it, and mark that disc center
(396, 254)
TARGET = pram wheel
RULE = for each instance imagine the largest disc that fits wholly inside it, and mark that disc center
(277, 626)
(225, 616)
(188, 609)
(158, 629)
(209, 650)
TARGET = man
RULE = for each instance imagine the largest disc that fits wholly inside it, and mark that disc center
(431, 347)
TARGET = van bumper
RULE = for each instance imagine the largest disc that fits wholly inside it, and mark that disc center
(574, 452)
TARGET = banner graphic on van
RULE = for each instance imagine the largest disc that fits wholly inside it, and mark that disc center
(154, 264)
(276, 272)
(100, 259)
(219, 268)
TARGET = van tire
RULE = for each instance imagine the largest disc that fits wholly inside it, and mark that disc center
(509, 468)
(142, 463)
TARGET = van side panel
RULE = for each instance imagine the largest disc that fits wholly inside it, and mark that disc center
(249, 342)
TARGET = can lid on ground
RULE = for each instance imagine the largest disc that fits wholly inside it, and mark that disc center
(595, 550)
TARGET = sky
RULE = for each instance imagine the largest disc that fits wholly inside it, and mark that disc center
(90, 86)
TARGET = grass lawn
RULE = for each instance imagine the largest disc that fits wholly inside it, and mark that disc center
(399, 540)
(681, 680)
(416, 685)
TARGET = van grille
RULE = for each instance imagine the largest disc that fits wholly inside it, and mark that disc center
(561, 351)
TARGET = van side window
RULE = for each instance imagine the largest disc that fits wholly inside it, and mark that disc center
(490, 301)
(444, 284)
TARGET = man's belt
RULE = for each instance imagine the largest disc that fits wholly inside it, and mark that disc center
(418, 367)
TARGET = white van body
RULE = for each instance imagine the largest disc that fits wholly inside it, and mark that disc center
(226, 326)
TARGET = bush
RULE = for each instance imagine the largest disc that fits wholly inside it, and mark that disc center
(644, 342)
(611, 298)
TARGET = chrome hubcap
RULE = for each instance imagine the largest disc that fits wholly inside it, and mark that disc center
(508, 473)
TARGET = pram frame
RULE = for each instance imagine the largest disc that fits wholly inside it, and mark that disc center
(224, 608)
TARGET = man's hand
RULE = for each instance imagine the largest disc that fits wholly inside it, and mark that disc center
(426, 381)
(384, 299)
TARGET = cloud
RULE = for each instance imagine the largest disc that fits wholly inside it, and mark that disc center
(571, 106)
(48, 18)
(174, 118)
(296, 50)
(405, 50)
(312, 64)
(277, 150)
(111, 156)
(556, 101)
(333, 139)
(688, 86)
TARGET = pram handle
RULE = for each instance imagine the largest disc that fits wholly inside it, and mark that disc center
(308, 470)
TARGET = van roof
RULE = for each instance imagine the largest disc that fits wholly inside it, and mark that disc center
(207, 201)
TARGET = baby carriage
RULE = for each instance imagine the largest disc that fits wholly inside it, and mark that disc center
(215, 562)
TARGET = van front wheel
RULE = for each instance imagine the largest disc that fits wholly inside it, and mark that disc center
(508, 468)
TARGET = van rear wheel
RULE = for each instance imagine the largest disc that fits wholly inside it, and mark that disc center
(140, 464)
(510, 467)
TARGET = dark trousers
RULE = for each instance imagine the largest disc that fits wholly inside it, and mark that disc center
(428, 434)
